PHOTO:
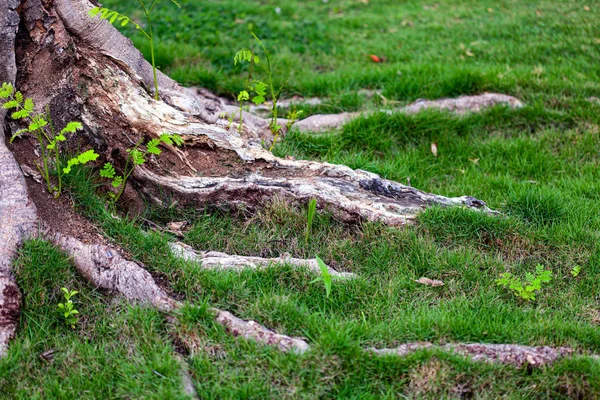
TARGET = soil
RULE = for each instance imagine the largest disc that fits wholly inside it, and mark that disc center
(59, 214)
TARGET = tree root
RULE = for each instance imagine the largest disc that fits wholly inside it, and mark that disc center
(254, 331)
(512, 354)
(221, 261)
(459, 106)
(18, 215)
(105, 268)
(99, 74)
(10, 302)
(352, 195)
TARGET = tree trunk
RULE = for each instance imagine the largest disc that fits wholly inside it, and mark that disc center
(85, 70)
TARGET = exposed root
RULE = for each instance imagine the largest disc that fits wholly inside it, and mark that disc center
(105, 268)
(217, 261)
(106, 39)
(463, 104)
(460, 106)
(325, 122)
(513, 354)
(254, 331)
(352, 195)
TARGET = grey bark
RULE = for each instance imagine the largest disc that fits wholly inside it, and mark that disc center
(17, 214)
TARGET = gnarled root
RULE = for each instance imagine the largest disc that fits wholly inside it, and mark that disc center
(105, 268)
(352, 195)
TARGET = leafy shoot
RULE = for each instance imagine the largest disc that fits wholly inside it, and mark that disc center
(526, 289)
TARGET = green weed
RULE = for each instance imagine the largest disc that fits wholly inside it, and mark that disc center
(527, 288)
(41, 127)
(135, 157)
(67, 309)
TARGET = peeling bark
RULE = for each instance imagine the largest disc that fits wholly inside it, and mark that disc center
(220, 261)
(351, 194)
(105, 39)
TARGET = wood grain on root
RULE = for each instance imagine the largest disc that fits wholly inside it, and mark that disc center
(102, 36)
(114, 107)
(258, 174)
(221, 261)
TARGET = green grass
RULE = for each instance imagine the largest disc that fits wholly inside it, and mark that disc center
(539, 166)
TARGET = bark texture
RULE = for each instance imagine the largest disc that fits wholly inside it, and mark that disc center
(17, 213)
(102, 78)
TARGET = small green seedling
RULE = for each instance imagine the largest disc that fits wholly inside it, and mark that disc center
(113, 17)
(40, 126)
(312, 209)
(575, 271)
(136, 157)
(528, 288)
(325, 277)
(259, 87)
(67, 309)
(292, 117)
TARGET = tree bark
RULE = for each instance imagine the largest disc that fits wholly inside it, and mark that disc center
(83, 69)
(17, 213)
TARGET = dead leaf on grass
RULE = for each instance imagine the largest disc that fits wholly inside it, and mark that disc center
(176, 226)
(434, 149)
(48, 355)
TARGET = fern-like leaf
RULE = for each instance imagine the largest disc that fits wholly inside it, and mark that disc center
(6, 90)
(108, 171)
(152, 147)
(17, 134)
(117, 181)
(72, 127)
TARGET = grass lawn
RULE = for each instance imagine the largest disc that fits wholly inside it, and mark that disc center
(538, 165)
